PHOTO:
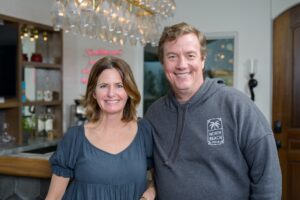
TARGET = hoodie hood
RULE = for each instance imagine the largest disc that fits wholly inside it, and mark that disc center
(206, 90)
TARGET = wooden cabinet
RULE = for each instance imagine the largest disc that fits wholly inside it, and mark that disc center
(38, 79)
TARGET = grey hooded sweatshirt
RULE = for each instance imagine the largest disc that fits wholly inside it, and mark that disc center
(216, 146)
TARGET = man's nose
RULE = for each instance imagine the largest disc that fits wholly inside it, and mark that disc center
(182, 62)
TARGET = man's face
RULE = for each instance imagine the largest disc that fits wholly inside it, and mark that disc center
(183, 65)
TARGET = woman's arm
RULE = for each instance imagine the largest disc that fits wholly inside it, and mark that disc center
(57, 187)
(150, 193)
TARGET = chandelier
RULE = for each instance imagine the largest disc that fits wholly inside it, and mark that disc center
(113, 21)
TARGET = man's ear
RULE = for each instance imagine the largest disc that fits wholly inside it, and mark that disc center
(203, 62)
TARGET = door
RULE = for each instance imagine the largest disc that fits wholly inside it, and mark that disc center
(286, 98)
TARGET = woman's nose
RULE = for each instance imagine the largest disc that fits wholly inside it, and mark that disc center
(111, 91)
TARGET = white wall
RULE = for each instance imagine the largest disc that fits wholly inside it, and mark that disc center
(250, 21)
(279, 6)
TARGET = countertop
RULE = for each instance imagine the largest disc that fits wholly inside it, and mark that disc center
(36, 143)
(17, 161)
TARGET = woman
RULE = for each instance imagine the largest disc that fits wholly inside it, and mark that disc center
(107, 158)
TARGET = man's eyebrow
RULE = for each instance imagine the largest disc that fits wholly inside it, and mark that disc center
(170, 53)
(192, 51)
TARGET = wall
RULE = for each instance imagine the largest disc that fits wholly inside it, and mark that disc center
(249, 21)
(279, 6)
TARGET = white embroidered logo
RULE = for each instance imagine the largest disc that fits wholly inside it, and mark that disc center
(215, 134)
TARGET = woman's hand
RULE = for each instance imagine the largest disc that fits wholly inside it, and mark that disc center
(150, 193)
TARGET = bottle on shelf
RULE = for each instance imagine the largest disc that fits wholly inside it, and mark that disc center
(48, 95)
(49, 124)
(5, 137)
(41, 132)
(33, 123)
(28, 122)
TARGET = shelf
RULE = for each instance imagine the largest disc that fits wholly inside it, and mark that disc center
(41, 103)
(33, 78)
(41, 65)
(9, 104)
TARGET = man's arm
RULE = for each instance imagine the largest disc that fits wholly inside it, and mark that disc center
(265, 172)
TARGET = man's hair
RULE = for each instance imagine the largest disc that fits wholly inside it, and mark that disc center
(171, 33)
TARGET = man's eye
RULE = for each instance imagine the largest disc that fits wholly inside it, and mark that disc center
(191, 56)
(171, 57)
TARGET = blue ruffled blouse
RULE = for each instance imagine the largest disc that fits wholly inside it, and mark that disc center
(99, 175)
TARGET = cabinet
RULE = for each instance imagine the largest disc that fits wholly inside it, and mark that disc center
(37, 77)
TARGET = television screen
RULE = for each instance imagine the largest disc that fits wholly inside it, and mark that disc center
(8, 60)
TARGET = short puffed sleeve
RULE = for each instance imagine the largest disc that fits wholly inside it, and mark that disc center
(63, 160)
(147, 132)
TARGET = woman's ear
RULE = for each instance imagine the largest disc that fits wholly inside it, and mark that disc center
(94, 95)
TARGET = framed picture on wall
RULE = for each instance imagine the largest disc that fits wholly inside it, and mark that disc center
(220, 59)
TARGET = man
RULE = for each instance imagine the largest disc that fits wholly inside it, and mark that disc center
(211, 141)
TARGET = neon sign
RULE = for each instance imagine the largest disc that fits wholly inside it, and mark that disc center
(92, 60)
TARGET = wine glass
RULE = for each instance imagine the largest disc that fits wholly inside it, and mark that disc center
(57, 15)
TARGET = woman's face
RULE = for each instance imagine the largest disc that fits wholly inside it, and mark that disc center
(110, 93)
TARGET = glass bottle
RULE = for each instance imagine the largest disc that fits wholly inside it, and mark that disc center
(48, 96)
(41, 125)
(6, 138)
(49, 122)
(28, 122)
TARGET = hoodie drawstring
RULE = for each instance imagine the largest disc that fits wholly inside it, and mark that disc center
(181, 117)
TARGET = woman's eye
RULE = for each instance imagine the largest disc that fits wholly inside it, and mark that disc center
(101, 85)
(120, 86)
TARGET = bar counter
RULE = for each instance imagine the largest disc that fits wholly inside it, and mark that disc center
(25, 171)
(29, 160)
